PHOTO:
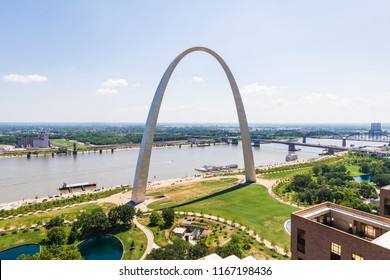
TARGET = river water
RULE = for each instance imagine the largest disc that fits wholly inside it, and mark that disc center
(41, 176)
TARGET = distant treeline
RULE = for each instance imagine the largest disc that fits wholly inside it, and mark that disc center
(106, 135)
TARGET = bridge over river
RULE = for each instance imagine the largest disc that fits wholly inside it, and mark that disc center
(331, 149)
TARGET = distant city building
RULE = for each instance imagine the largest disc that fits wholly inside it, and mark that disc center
(40, 142)
(333, 232)
(376, 129)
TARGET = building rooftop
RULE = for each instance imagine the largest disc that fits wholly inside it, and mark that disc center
(373, 228)
(386, 187)
(383, 240)
(179, 230)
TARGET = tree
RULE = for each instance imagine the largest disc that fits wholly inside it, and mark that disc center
(377, 167)
(316, 170)
(123, 213)
(56, 236)
(381, 180)
(126, 213)
(55, 252)
(229, 249)
(155, 219)
(168, 215)
(177, 251)
(197, 251)
(301, 182)
(324, 194)
(93, 224)
(55, 222)
(72, 237)
(365, 168)
(367, 190)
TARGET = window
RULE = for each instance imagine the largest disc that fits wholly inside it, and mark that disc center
(387, 206)
(369, 231)
(355, 256)
(301, 241)
(335, 251)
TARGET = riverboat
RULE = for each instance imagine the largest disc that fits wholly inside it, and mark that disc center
(208, 168)
(291, 157)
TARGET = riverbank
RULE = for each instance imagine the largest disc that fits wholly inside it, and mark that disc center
(152, 185)
(86, 150)
(18, 203)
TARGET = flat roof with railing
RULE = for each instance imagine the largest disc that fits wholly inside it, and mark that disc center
(357, 215)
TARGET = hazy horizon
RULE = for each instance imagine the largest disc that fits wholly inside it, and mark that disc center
(95, 61)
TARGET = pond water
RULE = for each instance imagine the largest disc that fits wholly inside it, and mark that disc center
(362, 178)
(105, 247)
(13, 253)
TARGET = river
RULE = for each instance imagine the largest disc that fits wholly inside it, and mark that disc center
(22, 178)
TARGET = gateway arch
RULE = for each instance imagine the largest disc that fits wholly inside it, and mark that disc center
(142, 170)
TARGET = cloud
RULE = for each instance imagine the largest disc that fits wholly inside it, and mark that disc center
(111, 83)
(197, 79)
(25, 78)
(107, 91)
(256, 88)
(135, 85)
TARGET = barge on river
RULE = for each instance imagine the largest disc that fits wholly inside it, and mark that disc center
(69, 188)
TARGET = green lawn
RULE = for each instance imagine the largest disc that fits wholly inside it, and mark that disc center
(66, 143)
(284, 175)
(184, 193)
(354, 170)
(140, 240)
(249, 205)
(11, 240)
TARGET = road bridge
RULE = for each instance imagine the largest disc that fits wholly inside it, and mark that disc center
(292, 145)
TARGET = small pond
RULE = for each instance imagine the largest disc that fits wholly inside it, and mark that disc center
(106, 247)
(362, 178)
(13, 253)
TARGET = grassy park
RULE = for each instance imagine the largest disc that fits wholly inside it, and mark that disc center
(249, 205)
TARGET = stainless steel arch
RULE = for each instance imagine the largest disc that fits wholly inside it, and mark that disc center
(142, 170)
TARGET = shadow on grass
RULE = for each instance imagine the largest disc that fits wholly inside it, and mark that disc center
(232, 189)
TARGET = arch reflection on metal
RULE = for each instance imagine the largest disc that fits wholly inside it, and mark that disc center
(142, 171)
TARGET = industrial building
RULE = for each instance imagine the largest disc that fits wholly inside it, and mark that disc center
(40, 142)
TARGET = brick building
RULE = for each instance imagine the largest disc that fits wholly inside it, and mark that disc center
(385, 202)
(329, 231)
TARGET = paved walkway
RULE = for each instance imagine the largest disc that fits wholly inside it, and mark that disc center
(149, 236)
(270, 184)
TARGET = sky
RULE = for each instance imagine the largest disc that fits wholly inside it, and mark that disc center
(101, 61)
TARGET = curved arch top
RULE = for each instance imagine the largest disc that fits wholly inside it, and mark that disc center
(142, 170)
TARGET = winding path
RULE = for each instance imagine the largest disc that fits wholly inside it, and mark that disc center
(149, 236)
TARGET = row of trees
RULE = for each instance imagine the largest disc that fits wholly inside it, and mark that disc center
(298, 166)
(98, 222)
(58, 203)
(179, 250)
(331, 183)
